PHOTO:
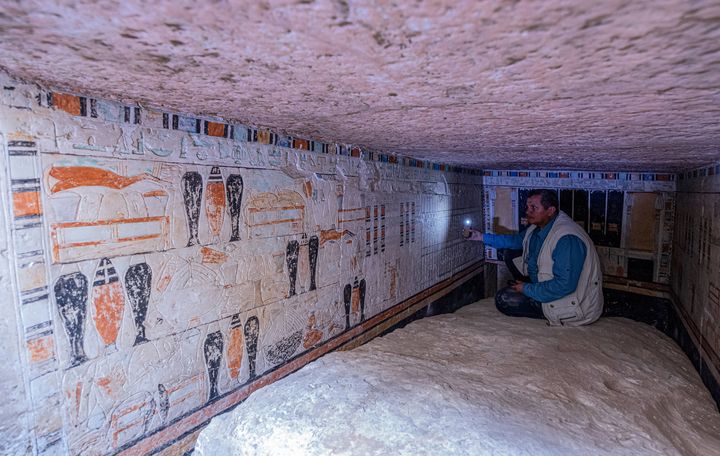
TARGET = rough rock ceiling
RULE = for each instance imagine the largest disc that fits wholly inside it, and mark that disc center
(611, 84)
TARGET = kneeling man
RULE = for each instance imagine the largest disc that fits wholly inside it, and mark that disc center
(562, 280)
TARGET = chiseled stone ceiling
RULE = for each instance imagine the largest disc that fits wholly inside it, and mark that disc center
(631, 84)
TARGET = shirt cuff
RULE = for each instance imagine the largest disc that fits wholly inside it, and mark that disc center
(475, 235)
(530, 292)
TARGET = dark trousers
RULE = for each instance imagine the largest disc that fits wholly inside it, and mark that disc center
(514, 304)
(509, 301)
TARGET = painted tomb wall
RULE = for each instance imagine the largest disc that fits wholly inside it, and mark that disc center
(696, 260)
(163, 260)
(14, 413)
(629, 216)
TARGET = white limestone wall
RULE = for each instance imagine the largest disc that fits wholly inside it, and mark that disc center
(158, 261)
(696, 261)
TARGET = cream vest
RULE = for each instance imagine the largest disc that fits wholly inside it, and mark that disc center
(585, 304)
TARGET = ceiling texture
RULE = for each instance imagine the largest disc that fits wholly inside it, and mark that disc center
(620, 85)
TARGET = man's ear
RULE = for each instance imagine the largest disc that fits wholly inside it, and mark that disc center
(554, 210)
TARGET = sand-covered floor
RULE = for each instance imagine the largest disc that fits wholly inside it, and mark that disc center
(477, 382)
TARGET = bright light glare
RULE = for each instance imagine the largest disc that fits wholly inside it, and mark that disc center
(467, 222)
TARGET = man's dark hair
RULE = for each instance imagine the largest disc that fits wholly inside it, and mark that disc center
(548, 198)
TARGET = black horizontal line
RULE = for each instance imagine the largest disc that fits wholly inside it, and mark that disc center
(39, 335)
(35, 188)
(30, 225)
(29, 254)
(35, 299)
(25, 181)
(22, 152)
(38, 326)
(27, 217)
(33, 290)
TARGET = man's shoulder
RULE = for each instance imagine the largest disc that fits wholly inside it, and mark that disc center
(566, 226)
(569, 237)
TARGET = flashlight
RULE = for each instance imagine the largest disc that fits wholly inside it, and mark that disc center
(466, 231)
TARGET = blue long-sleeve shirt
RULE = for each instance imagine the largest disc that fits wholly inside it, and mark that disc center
(568, 259)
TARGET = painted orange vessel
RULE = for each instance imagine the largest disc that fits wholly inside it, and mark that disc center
(108, 301)
(235, 346)
(215, 203)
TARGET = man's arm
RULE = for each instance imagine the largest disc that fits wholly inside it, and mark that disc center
(568, 260)
(499, 241)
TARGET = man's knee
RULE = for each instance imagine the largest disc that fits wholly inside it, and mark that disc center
(514, 304)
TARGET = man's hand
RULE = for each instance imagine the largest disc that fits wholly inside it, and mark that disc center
(517, 286)
(475, 234)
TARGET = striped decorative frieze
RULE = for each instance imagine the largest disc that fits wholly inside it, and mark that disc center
(110, 111)
(622, 176)
(632, 181)
(705, 171)
(32, 285)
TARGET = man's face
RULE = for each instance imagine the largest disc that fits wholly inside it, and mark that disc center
(536, 213)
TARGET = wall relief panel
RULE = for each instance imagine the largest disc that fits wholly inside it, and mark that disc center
(164, 261)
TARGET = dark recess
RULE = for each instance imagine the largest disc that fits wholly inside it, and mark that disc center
(642, 270)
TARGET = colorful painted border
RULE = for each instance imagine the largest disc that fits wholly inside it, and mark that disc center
(33, 293)
(594, 175)
(109, 111)
(696, 173)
